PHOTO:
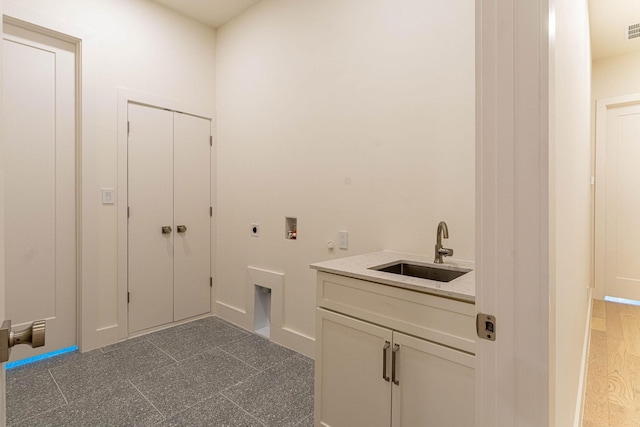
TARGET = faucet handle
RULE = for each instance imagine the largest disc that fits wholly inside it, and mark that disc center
(445, 252)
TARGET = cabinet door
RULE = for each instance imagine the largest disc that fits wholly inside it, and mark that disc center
(350, 389)
(192, 181)
(436, 385)
(150, 194)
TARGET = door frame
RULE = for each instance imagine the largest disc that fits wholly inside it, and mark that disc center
(3, 383)
(125, 96)
(514, 373)
(600, 218)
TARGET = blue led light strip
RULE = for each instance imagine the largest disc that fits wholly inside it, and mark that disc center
(28, 360)
(622, 301)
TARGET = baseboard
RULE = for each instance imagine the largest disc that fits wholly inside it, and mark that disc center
(295, 341)
(232, 314)
(99, 338)
(166, 326)
(284, 336)
(112, 334)
(582, 384)
(281, 335)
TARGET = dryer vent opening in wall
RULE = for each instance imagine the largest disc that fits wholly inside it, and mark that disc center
(633, 31)
(262, 311)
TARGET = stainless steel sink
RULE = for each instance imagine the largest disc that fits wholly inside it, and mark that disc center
(423, 271)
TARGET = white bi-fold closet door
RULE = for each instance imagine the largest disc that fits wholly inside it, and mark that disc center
(169, 244)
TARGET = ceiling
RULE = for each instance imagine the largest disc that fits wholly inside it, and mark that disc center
(210, 12)
(609, 22)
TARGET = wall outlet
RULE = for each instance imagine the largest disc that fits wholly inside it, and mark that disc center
(343, 239)
(255, 230)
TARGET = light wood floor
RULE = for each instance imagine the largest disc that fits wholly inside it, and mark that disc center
(613, 375)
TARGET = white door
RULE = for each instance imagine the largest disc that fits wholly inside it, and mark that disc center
(436, 385)
(620, 189)
(350, 373)
(192, 247)
(150, 194)
(38, 82)
(169, 216)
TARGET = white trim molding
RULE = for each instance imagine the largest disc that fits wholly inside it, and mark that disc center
(584, 365)
(3, 382)
(245, 318)
(23, 16)
(512, 211)
(279, 332)
(232, 314)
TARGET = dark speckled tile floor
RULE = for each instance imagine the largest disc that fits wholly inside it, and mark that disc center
(203, 373)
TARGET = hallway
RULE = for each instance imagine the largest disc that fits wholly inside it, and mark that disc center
(206, 372)
(613, 376)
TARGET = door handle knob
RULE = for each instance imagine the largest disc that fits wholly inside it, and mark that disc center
(182, 229)
(166, 229)
(32, 335)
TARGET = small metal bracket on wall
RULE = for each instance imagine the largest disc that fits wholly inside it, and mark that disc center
(486, 326)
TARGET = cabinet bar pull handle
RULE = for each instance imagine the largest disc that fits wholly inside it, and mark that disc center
(387, 344)
(396, 348)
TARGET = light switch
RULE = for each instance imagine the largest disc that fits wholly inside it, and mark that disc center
(343, 239)
(108, 196)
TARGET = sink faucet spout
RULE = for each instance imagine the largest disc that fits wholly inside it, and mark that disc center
(443, 231)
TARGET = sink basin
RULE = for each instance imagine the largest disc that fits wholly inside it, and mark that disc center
(423, 271)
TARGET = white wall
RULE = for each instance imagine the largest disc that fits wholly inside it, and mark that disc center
(616, 76)
(349, 115)
(570, 205)
(139, 45)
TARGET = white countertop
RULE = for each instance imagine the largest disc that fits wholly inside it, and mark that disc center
(359, 267)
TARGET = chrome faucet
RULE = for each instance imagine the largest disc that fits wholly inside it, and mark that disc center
(443, 231)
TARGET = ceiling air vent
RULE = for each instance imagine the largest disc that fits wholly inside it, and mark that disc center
(633, 31)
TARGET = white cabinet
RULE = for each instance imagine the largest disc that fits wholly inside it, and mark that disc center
(377, 363)
(435, 384)
(350, 354)
(169, 181)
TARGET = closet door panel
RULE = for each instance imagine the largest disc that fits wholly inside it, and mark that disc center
(192, 181)
(150, 199)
